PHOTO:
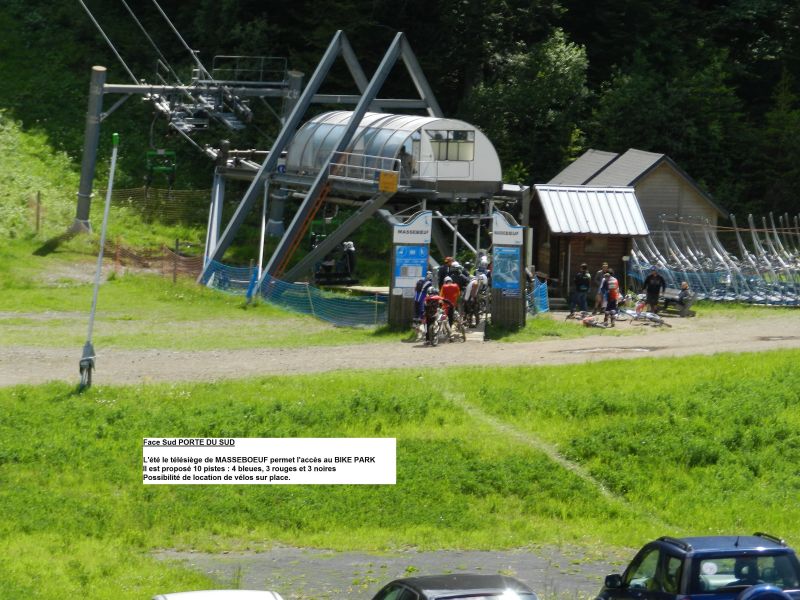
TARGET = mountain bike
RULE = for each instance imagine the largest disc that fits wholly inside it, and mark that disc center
(640, 316)
(458, 332)
(484, 302)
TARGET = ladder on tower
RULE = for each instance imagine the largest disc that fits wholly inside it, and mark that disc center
(301, 231)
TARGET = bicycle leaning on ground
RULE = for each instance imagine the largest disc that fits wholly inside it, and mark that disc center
(640, 316)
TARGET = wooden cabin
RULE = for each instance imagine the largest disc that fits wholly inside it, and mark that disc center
(661, 186)
(582, 224)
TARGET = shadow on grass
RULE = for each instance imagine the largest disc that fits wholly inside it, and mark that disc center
(53, 243)
(498, 332)
(390, 331)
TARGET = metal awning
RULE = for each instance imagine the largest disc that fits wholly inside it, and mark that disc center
(571, 210)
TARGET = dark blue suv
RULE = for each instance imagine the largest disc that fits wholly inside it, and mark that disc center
(709, 568)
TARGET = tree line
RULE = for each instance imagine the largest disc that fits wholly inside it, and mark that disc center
(711, 83)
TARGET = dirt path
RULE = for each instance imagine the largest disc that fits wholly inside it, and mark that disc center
(702, 335)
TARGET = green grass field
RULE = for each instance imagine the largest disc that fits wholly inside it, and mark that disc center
(45, 301)
(671, 446)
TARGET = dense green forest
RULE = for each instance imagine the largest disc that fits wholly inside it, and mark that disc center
(713, 84)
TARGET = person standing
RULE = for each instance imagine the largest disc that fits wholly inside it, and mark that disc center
(582, 285)
(445, 270)
(611, 291)
(450, 292)
(471, 312)
(420, 293)
(654, 285)
(599, 279)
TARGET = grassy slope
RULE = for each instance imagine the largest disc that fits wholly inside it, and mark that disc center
(710, 446)
(46, 301)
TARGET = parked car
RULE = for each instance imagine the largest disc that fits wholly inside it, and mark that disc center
(464, 586)
(220, 595)
(715, 567)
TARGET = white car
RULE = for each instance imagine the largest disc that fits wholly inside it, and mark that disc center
(220, 595)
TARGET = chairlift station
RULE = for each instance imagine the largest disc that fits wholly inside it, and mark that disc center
(368, 157)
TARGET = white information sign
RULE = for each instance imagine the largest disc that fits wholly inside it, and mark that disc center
(416, 232)
(504, 233)
(268, 461)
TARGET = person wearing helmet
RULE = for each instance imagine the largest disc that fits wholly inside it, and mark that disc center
(459, 275)
(471, 310)
(421, 290)
(451, 291)
(433, 302)
(446, 269)
(599, 299)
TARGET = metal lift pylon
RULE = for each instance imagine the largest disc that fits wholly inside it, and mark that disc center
(399, 48)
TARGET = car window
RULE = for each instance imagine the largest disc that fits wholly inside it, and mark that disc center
(714, 574)
(395, 592)
(507, 595)
(642, 573)
(672, 574)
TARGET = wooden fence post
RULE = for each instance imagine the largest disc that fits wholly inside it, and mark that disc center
(38, 210)
(175, 261)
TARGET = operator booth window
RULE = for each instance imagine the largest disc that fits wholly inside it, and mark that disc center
(452, 145)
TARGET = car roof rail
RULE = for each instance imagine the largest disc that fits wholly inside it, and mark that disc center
(770, 537)
(676, 542)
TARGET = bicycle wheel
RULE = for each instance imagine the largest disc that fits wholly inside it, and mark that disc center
(461, 332)
(433, 333)
(419, 330)
(447, 331)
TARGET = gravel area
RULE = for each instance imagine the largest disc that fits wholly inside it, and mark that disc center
(701, 335)
(306, 573)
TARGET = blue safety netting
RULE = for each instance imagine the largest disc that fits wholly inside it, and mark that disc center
(339, 309)
(740, 285)
(537, 298)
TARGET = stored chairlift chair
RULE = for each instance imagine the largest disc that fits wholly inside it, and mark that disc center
(160, 161)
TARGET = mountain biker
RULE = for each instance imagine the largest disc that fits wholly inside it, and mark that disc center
(654, 285)
(599, 278)
(451, 292)
(471, 301)
(421, 290)
(433, 302)
(445, 270)
(610, 290)
(459, 275)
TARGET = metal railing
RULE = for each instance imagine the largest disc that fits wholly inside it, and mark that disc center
(363, 168)
(434, 170)
(252, 70)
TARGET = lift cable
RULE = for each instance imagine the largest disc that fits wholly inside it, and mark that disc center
(108, 41)
(272, 110)
(185, 45)
(152, 43)
(210, 152)
(201, 67)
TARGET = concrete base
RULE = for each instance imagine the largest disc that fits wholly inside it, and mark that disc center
(79, 226)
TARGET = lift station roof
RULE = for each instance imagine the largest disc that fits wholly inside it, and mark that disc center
(446, 155)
